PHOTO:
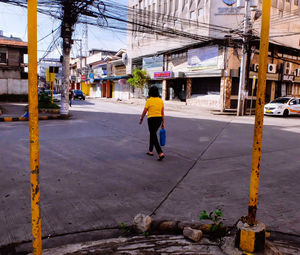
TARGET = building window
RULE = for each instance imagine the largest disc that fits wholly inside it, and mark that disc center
(296, 2)
(200, 12)
(193, 15)
(3, 58)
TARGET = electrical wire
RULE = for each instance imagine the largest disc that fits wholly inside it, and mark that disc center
(49, 34)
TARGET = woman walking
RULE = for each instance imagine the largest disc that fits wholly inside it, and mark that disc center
(155, 108)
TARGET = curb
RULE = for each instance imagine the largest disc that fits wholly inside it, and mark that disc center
(10, 119)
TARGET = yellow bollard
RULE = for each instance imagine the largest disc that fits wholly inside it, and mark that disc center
(33, 127)
(251, 235)
(259, 115)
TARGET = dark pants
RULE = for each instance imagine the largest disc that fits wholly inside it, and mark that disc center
(153, 125)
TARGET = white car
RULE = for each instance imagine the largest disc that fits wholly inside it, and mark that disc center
(283, 106)
(56, 96)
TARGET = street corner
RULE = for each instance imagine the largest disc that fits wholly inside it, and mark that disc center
(42, 117)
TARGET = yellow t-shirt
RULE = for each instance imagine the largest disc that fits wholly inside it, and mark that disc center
(154, 106)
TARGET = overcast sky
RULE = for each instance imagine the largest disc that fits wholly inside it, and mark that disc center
(13, 21)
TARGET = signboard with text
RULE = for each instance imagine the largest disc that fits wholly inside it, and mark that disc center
(83, 77)
(153, 62)
(203, 58)
(162, 75)
(288, 77)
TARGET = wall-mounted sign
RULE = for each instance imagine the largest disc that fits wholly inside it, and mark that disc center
(203, 58)
(288, 77)
(83, 77)
(153, 62)
(228, 11)
(73, 78)
(162, 75)
(91, 76)
(119, 70)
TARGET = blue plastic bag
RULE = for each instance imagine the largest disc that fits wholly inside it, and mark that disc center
(162, 137)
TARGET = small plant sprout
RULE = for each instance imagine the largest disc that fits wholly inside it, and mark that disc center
(125, 229)
(216, 217)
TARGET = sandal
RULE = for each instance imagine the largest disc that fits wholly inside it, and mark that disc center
(161, 157)
(149, 153)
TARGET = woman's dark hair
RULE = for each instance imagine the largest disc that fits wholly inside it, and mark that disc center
(153, 91)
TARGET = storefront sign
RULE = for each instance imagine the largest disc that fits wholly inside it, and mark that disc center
(73, 78)
(83, 77)
(162, 75)
(287, 77)
(203, 58)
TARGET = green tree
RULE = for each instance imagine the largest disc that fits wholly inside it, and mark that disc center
(139, 79)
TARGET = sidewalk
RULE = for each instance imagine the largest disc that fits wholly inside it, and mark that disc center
(170, 105)
(14, 111)
(167, 244)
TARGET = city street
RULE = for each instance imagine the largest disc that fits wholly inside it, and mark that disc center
(95, 173)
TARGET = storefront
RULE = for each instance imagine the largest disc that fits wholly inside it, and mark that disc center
(114, 87)
(154, 67)
(172, 86)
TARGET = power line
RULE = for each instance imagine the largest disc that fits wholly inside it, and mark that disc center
(49, 34)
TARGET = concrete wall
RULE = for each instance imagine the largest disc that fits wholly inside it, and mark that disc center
(208, 101)
(10, 74)
(13, 87)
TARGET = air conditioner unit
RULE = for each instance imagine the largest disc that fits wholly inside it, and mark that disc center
(298, 72)
(271, 68)
(287, 68)
(255, 67)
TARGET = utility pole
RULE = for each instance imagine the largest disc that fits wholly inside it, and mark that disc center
(85, 38)
(241, 96)
(68, 22)
(81, 71)
(80, 58)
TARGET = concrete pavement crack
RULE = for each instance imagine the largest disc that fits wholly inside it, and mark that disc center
(193, 165)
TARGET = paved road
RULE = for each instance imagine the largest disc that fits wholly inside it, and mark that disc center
(95, 173)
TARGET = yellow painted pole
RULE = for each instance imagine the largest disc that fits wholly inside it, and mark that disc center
(253, 87)
(51, 85)
(259, 115)
(34, 127)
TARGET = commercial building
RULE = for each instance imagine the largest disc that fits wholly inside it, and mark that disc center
(192, 49)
